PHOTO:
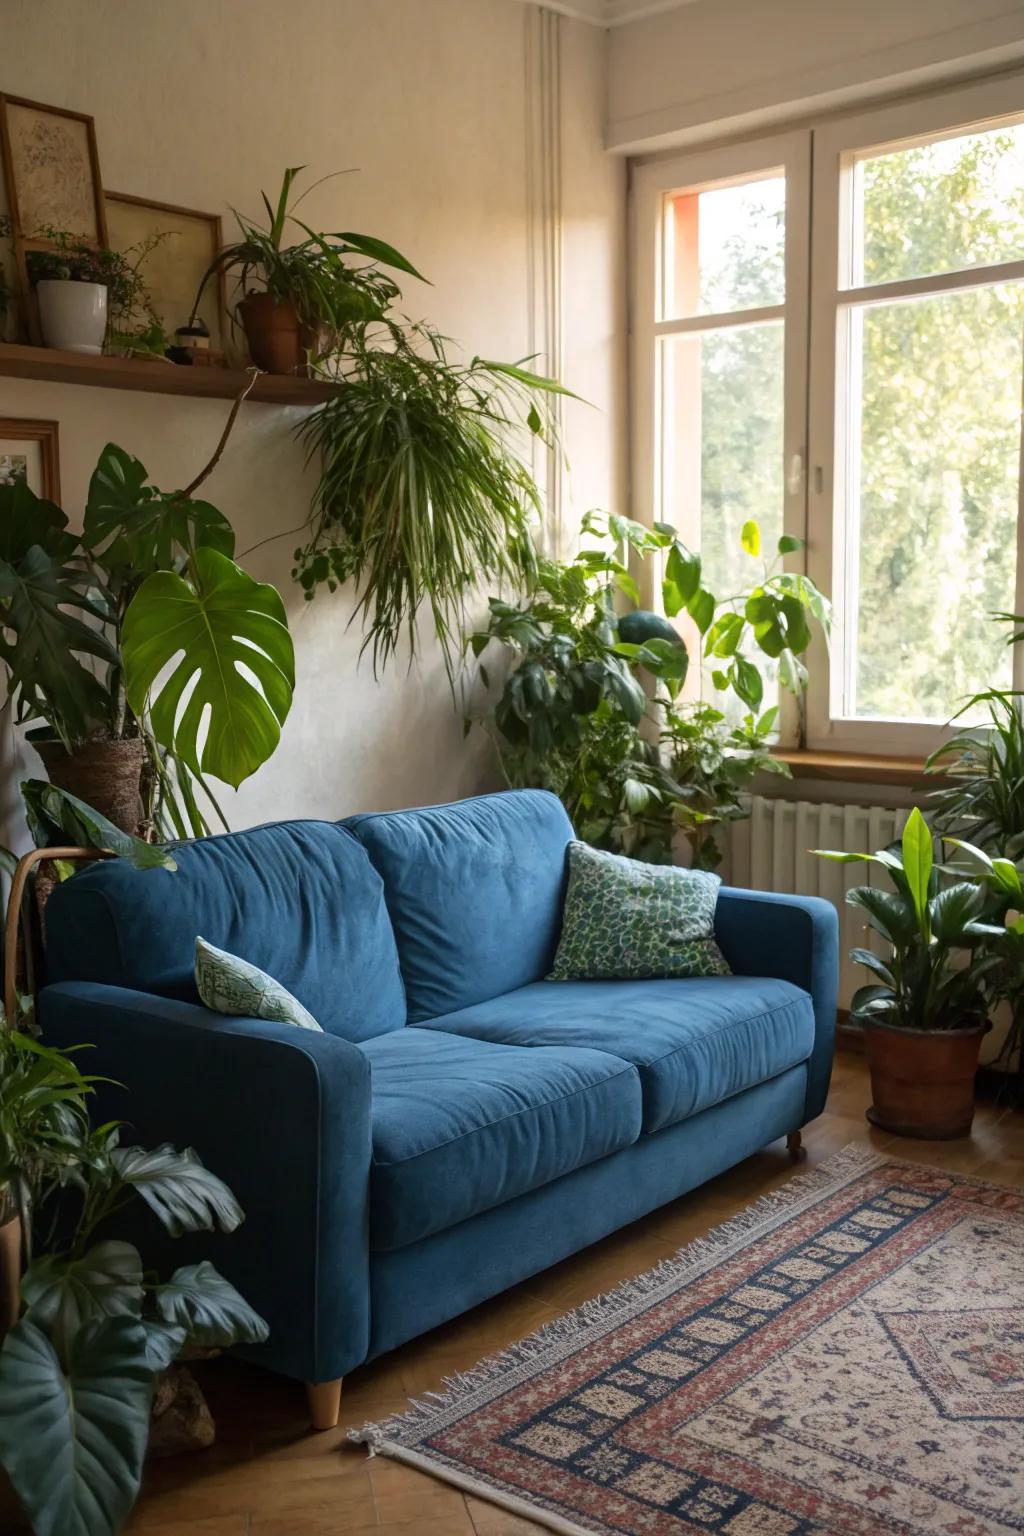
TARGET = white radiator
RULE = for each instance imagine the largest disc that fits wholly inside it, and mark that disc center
(771, 852)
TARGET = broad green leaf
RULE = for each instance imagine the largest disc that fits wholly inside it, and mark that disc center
(183, 1193)
(888, 913)
(27, 519)
(792, 672)
(871, 961)
(51, 808)
(63, 1294)
(747, 682)
(208, 631)
(724, 635)
(209, 1309)
(136, 526)
(750, 537)
(951, 911)
(682, 579)
(788, 545)
(761, 607)
(73, 1439)
(701, 608)
(40, 598)
(798, 632)
(917, 864)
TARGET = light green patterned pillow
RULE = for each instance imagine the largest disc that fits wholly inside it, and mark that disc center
(230, 985)
(631, 921)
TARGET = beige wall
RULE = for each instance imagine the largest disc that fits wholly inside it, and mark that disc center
(718, 66)
(202, 103)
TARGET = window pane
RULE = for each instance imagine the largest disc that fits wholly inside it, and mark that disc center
(726, 248)
(935, 392)
(723, 415)
(939, 207)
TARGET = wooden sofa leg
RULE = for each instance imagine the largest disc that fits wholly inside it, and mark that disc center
(795, 1146)
(324, 1403)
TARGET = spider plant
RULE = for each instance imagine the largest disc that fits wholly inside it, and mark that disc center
(422, 494)
(326, 290)
(985, 800)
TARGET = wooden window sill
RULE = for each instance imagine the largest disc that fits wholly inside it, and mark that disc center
(854, 768)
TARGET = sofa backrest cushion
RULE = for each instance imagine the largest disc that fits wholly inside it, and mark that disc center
(300, 899)
(475, 893)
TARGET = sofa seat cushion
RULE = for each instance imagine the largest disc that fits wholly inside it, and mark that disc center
(460, 1125)
(694, 1042)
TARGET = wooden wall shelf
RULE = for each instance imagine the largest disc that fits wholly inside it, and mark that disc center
(157, 378)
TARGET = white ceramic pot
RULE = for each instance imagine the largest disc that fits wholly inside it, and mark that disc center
(73, 315)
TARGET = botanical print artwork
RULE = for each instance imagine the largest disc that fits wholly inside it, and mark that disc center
(845, 1359)
(52, 171)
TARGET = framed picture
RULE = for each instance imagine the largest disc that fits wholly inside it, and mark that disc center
(173, 269)
(52, 171)
(29, 451)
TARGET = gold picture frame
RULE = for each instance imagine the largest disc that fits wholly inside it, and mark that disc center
(174, 268)
(30, 451)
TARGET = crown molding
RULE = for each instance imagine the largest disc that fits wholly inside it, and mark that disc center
(609, 13)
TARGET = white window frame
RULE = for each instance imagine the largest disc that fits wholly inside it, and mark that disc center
(830, 446)
(700, 171)
(817, 160)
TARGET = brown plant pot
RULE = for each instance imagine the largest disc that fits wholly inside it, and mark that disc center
(922, 1081)
(277, 339)
(10, 1273)
(105, 774)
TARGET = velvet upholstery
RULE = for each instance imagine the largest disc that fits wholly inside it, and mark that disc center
(484, 1158)
(283, 1116)
(299, 899)
(796, 938)
(695, 1041)
(475, 893)
(419, 1287)
(460, 1125)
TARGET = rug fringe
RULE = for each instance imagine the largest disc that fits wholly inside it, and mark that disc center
(595, 1317)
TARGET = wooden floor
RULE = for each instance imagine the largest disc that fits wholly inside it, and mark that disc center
(268, 1475)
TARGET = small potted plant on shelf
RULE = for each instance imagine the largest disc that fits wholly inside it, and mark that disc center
(926, 1010)
(77, 286)
(306, 294)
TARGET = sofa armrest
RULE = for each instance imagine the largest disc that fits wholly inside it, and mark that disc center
(796, 938)
(283, 1116)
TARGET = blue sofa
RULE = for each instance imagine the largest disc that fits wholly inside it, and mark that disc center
(462, 1122)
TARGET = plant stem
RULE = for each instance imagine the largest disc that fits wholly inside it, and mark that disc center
(204, 474)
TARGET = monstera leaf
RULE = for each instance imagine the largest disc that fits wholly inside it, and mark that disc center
(182, 1192)
(55, 816)
(143, 529)
(73, 1434)
(64, 1294)
(207, 1307)
(226, 636)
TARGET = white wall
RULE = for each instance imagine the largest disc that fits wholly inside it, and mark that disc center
(718, 66)
(202, 103)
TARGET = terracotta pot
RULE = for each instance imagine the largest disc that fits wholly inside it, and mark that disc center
(10, 1273)
(105, 774)
(922, 1081)
(277, 339)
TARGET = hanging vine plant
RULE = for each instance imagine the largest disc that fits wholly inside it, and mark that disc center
(422, 494)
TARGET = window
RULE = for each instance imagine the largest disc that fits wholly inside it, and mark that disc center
(726, 344)
(869, 401)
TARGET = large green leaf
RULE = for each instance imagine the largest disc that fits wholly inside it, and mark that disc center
(137, 526)
(209, 1309)
(183, 1193)
(205, 631)
(917, 864)
(64, 1294)
(40, 599)
(27, 519)
(73, 1440)
(56, 815)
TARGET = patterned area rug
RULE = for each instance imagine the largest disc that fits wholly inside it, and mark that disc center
(846, 1358)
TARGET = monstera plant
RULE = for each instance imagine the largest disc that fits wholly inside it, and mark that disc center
(145, 657)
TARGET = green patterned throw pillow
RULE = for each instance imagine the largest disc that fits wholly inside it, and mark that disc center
(230, 985)
(624, 920)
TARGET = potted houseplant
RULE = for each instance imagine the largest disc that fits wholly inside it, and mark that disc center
(89, 624)
(78, 288)
(306, 293)
(927, 1008)
(95, 1330)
